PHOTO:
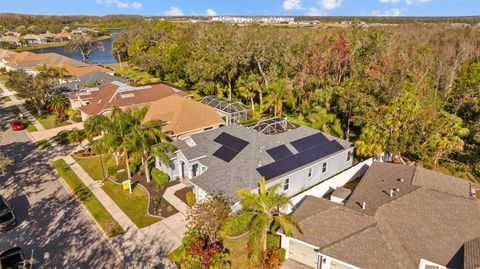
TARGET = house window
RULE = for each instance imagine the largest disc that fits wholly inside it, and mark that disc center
(286, 184)
(324, 167)
(310, 172)
(349, 156)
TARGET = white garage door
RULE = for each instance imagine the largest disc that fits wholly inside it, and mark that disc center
(303, 254)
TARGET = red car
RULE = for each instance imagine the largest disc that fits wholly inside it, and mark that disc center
(17, 125)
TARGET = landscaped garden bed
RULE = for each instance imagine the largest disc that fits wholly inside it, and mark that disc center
(86, 197)
(157, 206)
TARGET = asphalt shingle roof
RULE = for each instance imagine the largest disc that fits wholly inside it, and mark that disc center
(241, 172)
(431, 221)
(78, 83)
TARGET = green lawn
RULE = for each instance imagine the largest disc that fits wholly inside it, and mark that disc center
(84, 195)
(92, 165)
(141, 77)
(134, 205)
(47, 120)
(238, 251)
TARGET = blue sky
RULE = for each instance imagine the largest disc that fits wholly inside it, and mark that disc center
(246, 7)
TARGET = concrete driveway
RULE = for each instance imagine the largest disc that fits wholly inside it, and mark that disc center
(50, 220)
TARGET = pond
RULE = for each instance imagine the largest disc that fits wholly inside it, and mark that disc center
(102, 57)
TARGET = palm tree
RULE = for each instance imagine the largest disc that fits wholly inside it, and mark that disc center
(277, 95)
(118, 134)
(148, 140)
(60, 103)
(260, 212)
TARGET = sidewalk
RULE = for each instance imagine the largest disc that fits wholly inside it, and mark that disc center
(31, 118)
(97, 190)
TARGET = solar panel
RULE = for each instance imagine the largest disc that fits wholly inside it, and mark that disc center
(300, 159)
(226, 154)
(231, 141)
(280, 152)
(309, 142)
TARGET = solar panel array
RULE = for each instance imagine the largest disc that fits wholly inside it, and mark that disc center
(231, 146)
(280, 152)
(309, 141)
(310, 149)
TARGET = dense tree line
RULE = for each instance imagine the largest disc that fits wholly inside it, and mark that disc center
(38, 24)
(411, 91)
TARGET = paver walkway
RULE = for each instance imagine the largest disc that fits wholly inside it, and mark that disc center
(146, 247)
(169, 195)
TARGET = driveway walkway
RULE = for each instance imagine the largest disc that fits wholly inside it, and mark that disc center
(146, 247)
(49, 133)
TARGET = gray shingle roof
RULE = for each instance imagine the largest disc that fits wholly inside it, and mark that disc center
(241, 172)
(78, 83)
(430, 222)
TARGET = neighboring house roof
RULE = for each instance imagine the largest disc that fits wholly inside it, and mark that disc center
(10, 39)
(420, 222)
(73, 70)
(121, 95)
(6, 53)
(472, 254)
(182, 115)
(242, 170)
(31, 37)
(80, 82)
(28, 59)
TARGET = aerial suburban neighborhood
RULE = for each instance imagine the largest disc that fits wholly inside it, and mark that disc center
(265, 135)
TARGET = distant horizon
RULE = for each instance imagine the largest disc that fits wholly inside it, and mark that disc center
(230, 15)
(295, 8)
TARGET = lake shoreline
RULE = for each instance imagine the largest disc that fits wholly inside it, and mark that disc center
(54, 44)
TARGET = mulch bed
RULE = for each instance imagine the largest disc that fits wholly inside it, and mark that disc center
(157, 206)
(84, 154)
(182, 194)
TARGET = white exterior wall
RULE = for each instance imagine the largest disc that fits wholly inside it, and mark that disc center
(338, 180)
(325, 261)
(299, 180)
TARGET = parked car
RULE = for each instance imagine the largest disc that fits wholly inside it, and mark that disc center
(12, 258)
(7, 218)
(17, 125)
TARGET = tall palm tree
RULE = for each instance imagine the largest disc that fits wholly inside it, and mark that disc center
(118, 134)
(277, 95)
(59, 104)
(260, 212)
(149, 141)
(76, 136)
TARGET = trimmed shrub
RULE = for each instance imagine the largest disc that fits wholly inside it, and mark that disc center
(282, 253)
(117, 172)
(159, 177)
(190, 197)
(76, 119)
(273, 240)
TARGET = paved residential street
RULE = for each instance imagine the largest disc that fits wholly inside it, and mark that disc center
(49, 218)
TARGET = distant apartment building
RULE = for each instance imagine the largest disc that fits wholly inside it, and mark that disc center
(245, 19)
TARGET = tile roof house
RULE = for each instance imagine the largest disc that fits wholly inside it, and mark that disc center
(233, 157)
(182, 116)
(397, 217)
(80, 82)
(4, 55)
(99, 100)
(30, 61)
